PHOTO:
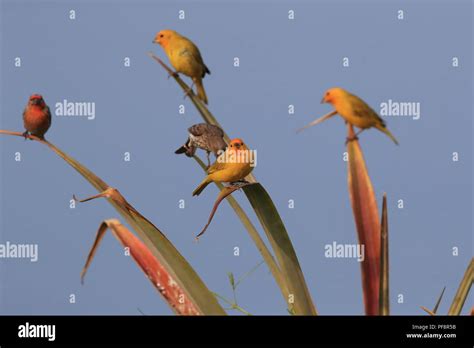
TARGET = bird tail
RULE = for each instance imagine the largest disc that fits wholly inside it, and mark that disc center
(201, 93)
(181, 150)
(201, 186)
(384, 129)
(187, 149)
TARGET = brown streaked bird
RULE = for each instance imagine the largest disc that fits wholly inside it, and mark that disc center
(185, 57)
(36, 117)
(204, 136)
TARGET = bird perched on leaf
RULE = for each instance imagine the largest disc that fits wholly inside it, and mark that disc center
(232, 166)
(184, 57)
(203, 136)
(36, 117)
(355, 111)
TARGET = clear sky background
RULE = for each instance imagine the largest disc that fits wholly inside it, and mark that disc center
(282, 62)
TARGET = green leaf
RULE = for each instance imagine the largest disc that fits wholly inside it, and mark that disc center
(280, 277)
(282, 247)
(256, 238)
(231, 280)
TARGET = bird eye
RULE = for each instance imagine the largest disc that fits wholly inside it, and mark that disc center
(161, 35)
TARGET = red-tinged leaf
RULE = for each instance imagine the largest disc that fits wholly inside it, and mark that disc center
(153, 237)
(153, 269)
(226, 191)
(366, 215)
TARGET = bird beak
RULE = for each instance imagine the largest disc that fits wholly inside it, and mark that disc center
(323, 101)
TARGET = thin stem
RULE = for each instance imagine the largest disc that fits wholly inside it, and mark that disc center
(231, 304)
(248, 273)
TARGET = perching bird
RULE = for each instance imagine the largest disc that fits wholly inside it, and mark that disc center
(355, 111)
(232, 166)
(203, 136)
(36, 117)
(184, 57)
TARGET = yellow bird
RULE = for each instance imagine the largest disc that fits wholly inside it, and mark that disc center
(185, 57)
(231, 166)
(355, 111)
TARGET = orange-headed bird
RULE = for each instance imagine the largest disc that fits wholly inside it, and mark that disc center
(184, 57)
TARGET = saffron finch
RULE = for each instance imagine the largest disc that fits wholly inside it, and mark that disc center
(231, 166)
(185, 58)
(355, 111)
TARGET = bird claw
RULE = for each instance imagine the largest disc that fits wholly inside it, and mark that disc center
(239, 183)
(174, 74)
(26, 135)
(188, 93)
(355, 137)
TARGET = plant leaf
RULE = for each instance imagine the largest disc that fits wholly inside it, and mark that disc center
(230, 275)
(282, 247)
(256, 238)
(435, 309)
(463, 290)
(226, 191)
(384, 305)
(317, 121)
(153, 238)
(156, 273)
(427, 311)
(282, 281)
(364, 206)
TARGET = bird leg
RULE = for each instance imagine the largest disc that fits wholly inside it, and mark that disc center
(189, 91)
(174, 74)
(355, 137)
(26, 134)
(208, 159)
(242, 182)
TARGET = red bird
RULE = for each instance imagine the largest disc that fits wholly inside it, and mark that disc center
(36, 117)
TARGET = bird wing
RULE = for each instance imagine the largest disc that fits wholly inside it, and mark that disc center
(215, 131)
(193, 52)
(198, 129)
(202, 128)
(363, 110)
(48, 113)
(217, 166)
